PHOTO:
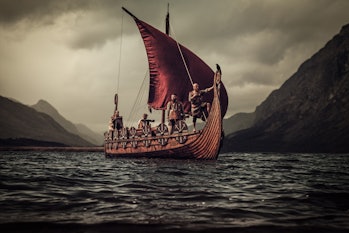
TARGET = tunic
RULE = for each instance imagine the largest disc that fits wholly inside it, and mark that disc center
(175, 110)
(195, 98)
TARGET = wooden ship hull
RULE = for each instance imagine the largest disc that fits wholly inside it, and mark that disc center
(204, 144)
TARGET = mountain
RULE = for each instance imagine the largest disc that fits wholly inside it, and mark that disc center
(78, 129)
(309, 112)
(44, 107)
(22, 124)
(89, 135)
(238, 122)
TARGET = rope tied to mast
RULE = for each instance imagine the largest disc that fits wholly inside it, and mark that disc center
(116, 97)
(182, 57)
(120, 47)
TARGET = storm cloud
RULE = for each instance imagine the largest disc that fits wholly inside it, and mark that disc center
(68, 51)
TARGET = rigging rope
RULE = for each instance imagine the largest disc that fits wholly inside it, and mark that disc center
(132, 117)
(121, 35)
(185, 64)
(180, 51)
(138, 104)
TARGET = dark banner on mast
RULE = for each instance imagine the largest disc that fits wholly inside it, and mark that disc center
(168, 21)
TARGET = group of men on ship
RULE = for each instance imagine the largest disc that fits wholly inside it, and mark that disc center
(175, 111)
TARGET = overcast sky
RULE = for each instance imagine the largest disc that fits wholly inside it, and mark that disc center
(67, 52)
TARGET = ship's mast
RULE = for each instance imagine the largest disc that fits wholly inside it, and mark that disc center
(167, 33)
(168, 20)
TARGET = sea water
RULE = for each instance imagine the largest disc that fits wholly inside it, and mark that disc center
(240, 192)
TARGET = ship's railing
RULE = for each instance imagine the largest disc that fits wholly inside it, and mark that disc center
(147, 136)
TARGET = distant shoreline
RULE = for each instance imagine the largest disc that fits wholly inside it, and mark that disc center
(52, 148)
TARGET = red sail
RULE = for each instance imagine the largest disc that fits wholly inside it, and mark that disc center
(167, 70)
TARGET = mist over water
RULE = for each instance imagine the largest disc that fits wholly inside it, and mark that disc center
(254, 192)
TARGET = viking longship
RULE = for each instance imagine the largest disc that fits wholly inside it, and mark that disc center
(172, 69)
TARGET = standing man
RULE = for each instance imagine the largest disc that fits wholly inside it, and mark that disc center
(197, 105)
(175, 111)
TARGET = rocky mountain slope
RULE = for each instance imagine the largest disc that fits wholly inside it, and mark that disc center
(78, 129)
(309, 112)
(20, 123)
(238, 122)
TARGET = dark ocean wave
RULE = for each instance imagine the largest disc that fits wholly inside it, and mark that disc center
(259, 192)
(111, 227)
